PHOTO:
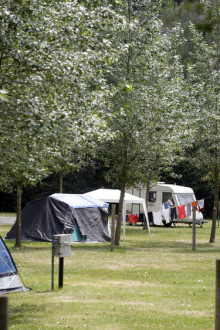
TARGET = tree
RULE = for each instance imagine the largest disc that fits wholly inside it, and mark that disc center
(51, 64)
(197, 39)
(206, 91)
(204, 80)
(144, 104)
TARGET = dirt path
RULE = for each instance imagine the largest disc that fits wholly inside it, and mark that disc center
(7, 220)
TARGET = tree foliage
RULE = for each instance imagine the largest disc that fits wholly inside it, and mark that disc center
(197, 40)
(51, 65)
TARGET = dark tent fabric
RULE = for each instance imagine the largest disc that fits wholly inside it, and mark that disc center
(9, 278)
(60, 214)
(98, 223)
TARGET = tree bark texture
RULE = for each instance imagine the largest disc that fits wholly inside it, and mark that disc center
(120, 216)
(18, 223)
(113, 228)
(146, 200)
(61, 182)
(215, 206)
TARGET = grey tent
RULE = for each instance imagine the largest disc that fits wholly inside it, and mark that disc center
(84, 217)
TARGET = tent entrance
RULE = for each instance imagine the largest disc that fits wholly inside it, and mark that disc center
(76, 235)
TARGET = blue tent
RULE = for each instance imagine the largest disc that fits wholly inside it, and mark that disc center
(9, 278)
(84, 217)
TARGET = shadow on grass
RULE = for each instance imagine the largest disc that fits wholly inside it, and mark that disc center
(29, 246)
(172, 246)
(167, 238)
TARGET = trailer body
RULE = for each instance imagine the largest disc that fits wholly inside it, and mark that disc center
(161, 193)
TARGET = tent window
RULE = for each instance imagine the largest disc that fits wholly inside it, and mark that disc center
(152, 196)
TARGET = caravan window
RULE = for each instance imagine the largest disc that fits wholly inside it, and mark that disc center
(185, 198)
(152, 196)
(167, 196)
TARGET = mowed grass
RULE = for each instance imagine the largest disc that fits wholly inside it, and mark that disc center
(157, 283)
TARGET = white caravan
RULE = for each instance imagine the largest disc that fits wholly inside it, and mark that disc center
(162, 193)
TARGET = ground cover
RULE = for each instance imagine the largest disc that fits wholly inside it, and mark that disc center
(157, 283)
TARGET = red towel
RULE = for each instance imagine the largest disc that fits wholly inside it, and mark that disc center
(182, 211)
(131, 218)
(136, 218)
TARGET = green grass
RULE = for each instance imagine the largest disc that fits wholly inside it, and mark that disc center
(144, 284)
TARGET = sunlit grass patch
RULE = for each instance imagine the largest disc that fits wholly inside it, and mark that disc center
(157, 283)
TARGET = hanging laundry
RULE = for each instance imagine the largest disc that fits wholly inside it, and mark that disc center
(182, 211)
(157, 216)
(173, 213)
(194, 204)
(188, 210)
(166, 215)
(166, 205)
(136, 218)
(201, 204)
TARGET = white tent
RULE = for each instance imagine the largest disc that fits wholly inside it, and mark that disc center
(113, 196)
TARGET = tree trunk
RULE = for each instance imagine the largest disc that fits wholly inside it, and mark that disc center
(124, 171)
(61, 182)
(113, 228)
(146, 201)
(18, 223)
(215, 206)
(217, 169)
(120, 215)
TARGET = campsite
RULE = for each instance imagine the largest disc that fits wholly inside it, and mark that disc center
(110, 164)
(157, 283)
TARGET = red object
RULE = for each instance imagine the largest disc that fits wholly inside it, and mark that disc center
(182, 211)
(136, 218)
(132, 218)
(195, 204)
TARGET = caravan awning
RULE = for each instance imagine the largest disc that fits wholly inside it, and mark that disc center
(113, 196)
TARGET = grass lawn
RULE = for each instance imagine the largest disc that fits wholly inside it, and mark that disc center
(157, 283)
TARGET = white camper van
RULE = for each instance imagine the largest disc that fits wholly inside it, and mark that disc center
(172, 194)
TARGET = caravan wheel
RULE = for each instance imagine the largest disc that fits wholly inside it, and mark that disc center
(167, 224)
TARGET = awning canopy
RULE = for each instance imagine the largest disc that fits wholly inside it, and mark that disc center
(113, 196)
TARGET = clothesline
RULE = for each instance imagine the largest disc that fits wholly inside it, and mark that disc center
(169, 211)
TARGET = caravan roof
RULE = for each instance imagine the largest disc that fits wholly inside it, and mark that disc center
(175, 188)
